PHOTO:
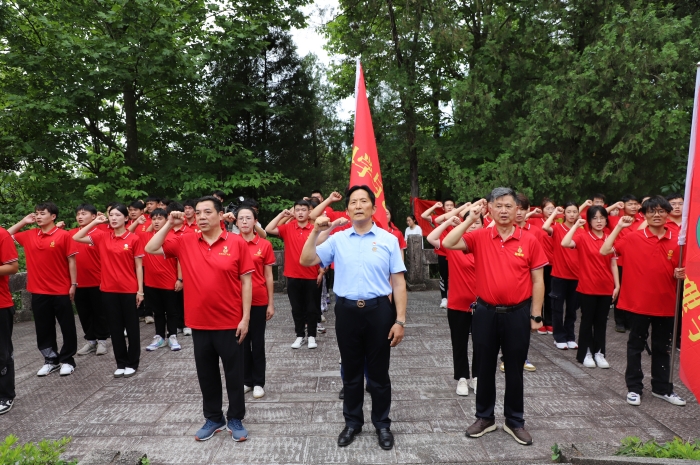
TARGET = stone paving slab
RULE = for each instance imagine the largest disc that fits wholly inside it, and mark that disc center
(159, 410)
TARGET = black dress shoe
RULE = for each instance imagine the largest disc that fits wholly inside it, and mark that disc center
(386, 438)
(347, 436)
(341, 394)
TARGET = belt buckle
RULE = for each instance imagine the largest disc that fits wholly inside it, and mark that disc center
(360, 303)
(502, 309)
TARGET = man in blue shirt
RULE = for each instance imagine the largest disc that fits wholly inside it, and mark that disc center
(368, 270)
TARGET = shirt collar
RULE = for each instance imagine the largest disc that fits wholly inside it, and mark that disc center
(254, 240)
(596, 238)
(126, 234)
(649, 234)
(372, 230)
(222, 237)
(50, 233)
(517, 233)
(308, 225)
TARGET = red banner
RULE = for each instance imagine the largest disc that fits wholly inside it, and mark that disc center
(365, 160)
(421, 205)
(690, 230)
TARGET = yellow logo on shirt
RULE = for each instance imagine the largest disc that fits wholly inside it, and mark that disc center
(258, 253)
(143, 228)
(225, 252)
(52, 244)
(519, 253)
(126, 246)
(669, 255)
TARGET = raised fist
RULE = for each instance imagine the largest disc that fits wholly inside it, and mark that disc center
(580, 223)
(559, 210)
(438, 204)
(625, 222)
(141, 219)
(322, 223)
(335, 196)
(101, 218)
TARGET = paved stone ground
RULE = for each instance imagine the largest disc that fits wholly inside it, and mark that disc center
(158, 410)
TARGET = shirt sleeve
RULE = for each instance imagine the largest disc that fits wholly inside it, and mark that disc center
(71, 246)
(396, 264)
(620, 244)
(245, 264)
(96, 237)
(171, 246)
(470, 239)
(326, 251)
(21, 237)
(139, 247)
(537, 257)
(269, 257)
(282, 229)
(8, 251)
(578, 236)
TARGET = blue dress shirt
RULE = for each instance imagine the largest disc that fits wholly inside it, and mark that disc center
(363, 263)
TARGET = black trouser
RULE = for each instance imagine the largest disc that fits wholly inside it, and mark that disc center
(48, 309)
(304, 299)
(180, 304)
(661, 335)
(442, 269)
(460, 324)
(620, 315)
(93, 318)
(7, 360)
(547, 310)
(254, 348)
(209, 347)
(510, 333)
(319, 293)
(122, 314)
(362, 338)
(163, 302)
(594, 321)
(564, 292)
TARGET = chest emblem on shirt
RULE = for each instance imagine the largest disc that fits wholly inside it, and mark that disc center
(374, 249)
(126, 246)
(669, 255)
(519, 253)
(52, 244)
(258, 253)
(224, 251)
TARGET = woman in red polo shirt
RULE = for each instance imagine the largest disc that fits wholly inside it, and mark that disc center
(262, 306)
(121, 283)
(564, 277)
(460, 297)
(598, 284)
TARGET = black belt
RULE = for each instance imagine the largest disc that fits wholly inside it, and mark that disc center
(360, 303)
(504, 308)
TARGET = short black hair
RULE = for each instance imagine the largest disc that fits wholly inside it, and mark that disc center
(137, 204)
(674, 196)
(656, 201)
(219, 193)
(303, 203)
(189, 203)
(211, 198)
(599, 196)
(629, 198)
(48, 206)
(314, 202)
(546, 200)
(449, 199)
(86, 207)
(251, 202)
(120, 208)
(590, 214)
(152, 198)
(166, 201)
(174, 207)
(249, 207)
(363, 187)
(522, 201)
(316, 191)
(159, 212)
(413, 217)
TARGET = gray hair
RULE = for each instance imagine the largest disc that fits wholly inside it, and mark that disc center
(499, 192)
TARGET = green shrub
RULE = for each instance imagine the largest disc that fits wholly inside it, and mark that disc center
(676, 449)
(44, 453)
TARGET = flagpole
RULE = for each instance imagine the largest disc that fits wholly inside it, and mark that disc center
(679, 304)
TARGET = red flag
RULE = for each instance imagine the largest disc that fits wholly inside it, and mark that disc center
(365, 160)
(421, 205)
(690, 229)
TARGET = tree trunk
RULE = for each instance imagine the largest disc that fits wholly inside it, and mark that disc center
(132, 135)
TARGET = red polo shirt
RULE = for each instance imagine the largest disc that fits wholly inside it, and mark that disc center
(461, 280)
(674, 227)
(211, 278)
(565, 260)
(503, 267)
(594, 270)
(47, 260)
(294, 239)
(87, 261)
(440, 252)
(649, 286)
(8, 254)
(262, 254)
(334, 215)
(399, 235)
(158, 273)
(117, 259)
(543, 238)
(192, 226)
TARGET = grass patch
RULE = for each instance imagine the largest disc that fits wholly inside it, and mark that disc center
(676, 449)
(43, 453)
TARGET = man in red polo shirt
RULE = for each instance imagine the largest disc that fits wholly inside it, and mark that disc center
(508, 264)
(88, 298)
(8, 265)
(216, 271)
(302, 286)
(651, 261)
(52, 278)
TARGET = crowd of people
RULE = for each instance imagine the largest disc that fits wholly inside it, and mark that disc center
(193, 269)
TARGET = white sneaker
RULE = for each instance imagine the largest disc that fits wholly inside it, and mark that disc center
(443, 303)
(588, 361)
(174, 345)
(149, 320)
(600, 361)
(157, 343)
(119, 373)
(66, 369)
(572, 345)
(125, 333)
(186, 331)
(671, 398)
(634, 399)
(129, 372)
(246, 389)
(258, 392)
(320, 328)
(101, 348)
(462, 387)
(312, 342)
(88, 348)
(561, 345)
(473, 383)
(299, 342)
(47, 369)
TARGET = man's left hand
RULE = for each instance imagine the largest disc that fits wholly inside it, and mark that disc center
(396, 335)
(534, 326)
(242, 331)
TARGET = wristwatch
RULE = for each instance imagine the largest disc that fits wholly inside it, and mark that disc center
(536, 319)
(400, 323)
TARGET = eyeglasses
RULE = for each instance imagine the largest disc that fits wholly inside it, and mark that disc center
(657, 212)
